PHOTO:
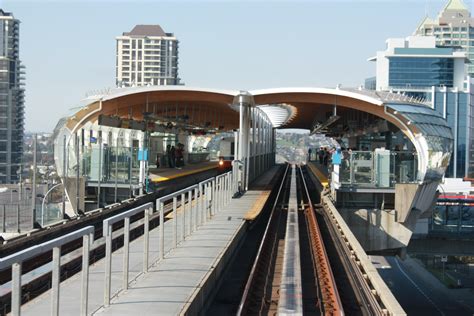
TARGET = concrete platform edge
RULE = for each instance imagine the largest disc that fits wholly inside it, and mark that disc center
(206, 290)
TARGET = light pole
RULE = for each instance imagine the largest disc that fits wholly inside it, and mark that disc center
(33, 184)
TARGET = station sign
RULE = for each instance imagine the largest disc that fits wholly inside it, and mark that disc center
(143, 155)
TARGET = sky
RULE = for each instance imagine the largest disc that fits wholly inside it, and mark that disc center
(68, 46)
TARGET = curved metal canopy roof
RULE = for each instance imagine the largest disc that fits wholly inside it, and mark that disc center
(285, 107)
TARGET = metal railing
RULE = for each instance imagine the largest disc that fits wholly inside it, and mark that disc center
(146, 209)
(198, 203)
(16, 260)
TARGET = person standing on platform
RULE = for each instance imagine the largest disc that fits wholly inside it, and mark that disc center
(326, 157)
(168, 155)
(321, 155)
(309, 154)
(173, 157)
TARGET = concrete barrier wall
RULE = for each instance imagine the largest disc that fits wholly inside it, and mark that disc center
(206, 290)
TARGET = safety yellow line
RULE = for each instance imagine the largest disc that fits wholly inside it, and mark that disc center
(321, 177)
(183, 174)
(257, 206)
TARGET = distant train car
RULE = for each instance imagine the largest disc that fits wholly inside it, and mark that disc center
(226, 152)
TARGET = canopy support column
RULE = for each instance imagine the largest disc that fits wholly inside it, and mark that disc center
(245, 101)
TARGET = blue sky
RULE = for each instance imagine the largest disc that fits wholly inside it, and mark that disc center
(68, 47)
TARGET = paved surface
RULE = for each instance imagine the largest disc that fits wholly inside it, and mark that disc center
(169, 284)
(164, 174)
(418, 291)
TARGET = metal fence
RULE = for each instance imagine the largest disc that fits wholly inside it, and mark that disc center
(146, 209)
(210, 196)
(198, 203)
(16, 260)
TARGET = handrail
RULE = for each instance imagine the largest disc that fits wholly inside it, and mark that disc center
(114, 219)
(107, 232)
(176, 194)
(203, 200)
(16, 260)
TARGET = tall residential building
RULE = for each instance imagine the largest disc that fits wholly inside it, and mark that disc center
(147, 56)
(416, 67)
(454, 27)
(11, 99)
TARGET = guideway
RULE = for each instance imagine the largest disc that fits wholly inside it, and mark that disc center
(301, 246)
(275, 283)
(174, 267)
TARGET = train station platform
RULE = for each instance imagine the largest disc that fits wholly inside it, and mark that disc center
(157, 175)
(320, 172)
(178, 283)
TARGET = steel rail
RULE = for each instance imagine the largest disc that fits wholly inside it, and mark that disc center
(369, 302)
(265, 240)
(367, 296)
(327, 284)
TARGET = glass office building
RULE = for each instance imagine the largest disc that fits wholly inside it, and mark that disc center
(416, 67)
(421, 72)
(453, 27)
(456, 107)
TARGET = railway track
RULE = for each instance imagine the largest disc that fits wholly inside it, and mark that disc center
(291, 261)
(293, 269)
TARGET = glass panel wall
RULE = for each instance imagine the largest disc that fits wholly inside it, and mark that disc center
(111, 164)
(378, 169)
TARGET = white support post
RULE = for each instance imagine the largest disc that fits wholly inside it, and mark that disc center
(126, 251)
(175, 223)
(55, 280)
(183, 216)
(108, 265)
(86, 241)
(254, 144)
(190, 212)
(260, 144)
(162, 230)
(247, 150)
(146, 239)
(241, 156)
(204, 204)
(16, 289)
(196, 209)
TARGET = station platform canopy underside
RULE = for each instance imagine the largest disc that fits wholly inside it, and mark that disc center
(334, 112)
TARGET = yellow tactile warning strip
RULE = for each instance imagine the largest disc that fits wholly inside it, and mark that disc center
(265, 191)
(321, 177)
(258, 205)
(182, 174)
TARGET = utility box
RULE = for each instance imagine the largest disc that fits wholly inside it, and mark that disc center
(382, 167)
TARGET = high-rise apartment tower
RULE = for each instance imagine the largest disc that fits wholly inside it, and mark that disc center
(454, 27)
(11, 99)
(147, 56)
